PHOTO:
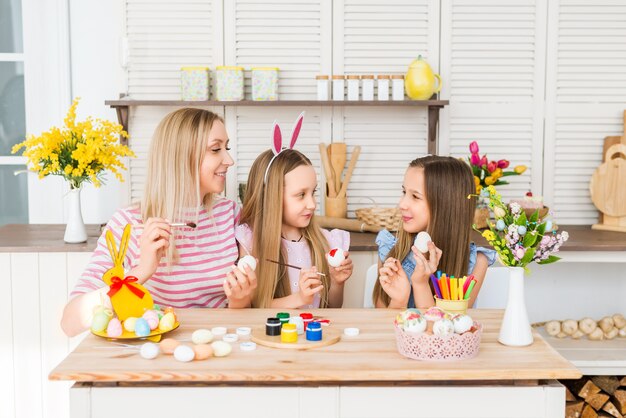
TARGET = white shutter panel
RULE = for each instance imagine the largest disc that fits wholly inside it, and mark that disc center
(164, 36)
(382, 37)
(586, 97)
(492, 61)
(295, 37)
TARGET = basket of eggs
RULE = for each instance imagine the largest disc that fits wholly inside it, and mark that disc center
(435, 335)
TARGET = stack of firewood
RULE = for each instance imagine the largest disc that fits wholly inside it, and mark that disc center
(597, 396)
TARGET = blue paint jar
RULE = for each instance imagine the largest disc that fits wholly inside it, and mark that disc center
(314, 331)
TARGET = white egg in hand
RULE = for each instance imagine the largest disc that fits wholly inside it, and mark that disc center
(246, 260)
(335, 257)
(421, 241)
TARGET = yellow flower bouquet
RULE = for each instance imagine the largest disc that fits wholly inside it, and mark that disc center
(79, 151)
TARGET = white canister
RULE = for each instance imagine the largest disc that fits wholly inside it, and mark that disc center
(367, 87)
(194, 83)
(265, 83)
(397, 87)
(353, 87)
(323, 84)
(383, 87)
(338, 87)
(229, 83)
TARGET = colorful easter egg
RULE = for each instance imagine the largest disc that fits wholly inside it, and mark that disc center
(443, 328)
(335, 257)
(114, 328)
(152, 318)
(221, 348)
(462, 323)
(142, 329)
(202, 351)
(167, 322)
(168, 345)
(100, 321)
(202, 336)
(129, 324)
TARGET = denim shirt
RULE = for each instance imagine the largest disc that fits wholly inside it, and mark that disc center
(386, 240)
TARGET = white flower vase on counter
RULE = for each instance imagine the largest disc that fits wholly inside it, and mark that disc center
(515, 330)
(75, 229)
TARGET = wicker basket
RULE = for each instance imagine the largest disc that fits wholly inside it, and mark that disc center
(387, 218)
(434, 348)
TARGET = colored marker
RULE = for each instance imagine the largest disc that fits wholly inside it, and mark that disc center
(470, 288)
(433, 279)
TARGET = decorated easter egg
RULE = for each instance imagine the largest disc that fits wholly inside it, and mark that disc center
(149, 351)
(416, 325)
(443, 328)
(462, 323)
(202, 351)
(168, 345)
(114, 328)
(202, 336)
(421, 241)
(152, 318)
(500, 225)
(100, 321)
(335, 257)
(221, 348)
(246, 260)
(167, 322)
(184, 353)
(129, 324)
(142, 329)
(434, 314)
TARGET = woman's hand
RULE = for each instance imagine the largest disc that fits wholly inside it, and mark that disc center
(239, 287)
(394, 282)
(423, 267)
(153, 244)
(309, 284)
(342, 273)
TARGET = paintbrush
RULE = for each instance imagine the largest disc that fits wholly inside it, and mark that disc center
(173, 225)
(291, 266)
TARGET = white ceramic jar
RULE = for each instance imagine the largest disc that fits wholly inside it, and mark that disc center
(323, 84)
(338, 87)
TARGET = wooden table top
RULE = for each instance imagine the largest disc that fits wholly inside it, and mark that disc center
(49, 238)
(371, 357)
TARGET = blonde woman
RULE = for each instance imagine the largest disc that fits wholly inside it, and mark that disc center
(278, 228)
(182, 267)
(434, 199)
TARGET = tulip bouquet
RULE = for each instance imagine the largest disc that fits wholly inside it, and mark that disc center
(520, 240)
(488, 173)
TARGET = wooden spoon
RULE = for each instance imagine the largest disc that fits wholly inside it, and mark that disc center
(337, 153)
(330, 178)
(353, 159)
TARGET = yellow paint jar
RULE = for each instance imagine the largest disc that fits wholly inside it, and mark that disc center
(289, 333)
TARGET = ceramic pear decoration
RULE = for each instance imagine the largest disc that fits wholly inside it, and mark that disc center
(128, 297)
(419, 81)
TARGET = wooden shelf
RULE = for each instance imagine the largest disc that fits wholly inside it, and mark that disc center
(122, 105)
(592, 358)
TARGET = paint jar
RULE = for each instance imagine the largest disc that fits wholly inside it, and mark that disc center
(306, 318)
(272, 327)
(284, 317)
(289, 333)
(299, 324)
(314, 331)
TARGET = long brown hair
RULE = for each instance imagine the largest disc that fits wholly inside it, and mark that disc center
(448, 183)
(173, 175)
(263, 213)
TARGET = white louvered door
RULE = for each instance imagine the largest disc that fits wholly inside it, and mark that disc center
(382, 37)
(493, 59)
(586, 97)
(294, 36)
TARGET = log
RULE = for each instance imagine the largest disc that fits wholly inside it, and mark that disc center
(588, 412)
(623, 381)
(569, 396)
(607, 383)
(585, 388)
(597, 401)
(611, 409)
(619, 400)
(574, 409)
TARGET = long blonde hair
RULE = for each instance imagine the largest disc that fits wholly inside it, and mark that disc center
(448, 183)
(263, 213)
(177, 149)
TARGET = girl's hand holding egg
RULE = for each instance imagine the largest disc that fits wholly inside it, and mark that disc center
(241, 282)
(341, 271)
(424, 267)
(309, 284)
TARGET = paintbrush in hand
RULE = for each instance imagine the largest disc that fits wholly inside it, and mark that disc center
(292, 266)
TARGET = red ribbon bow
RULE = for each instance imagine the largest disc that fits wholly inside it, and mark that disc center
(117, 283)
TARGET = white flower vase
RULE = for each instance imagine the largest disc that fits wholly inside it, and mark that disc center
(75, 229)
(515, 330)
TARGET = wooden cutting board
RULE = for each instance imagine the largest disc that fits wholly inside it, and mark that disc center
(608, 182)
(608, 142)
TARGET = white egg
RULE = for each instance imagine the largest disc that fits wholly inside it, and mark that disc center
(335, 257)
(184, 353)
(221, 348)
(443, 328)
(149, 351)
(202, 336)
(421, 241)
(246, 260)
(462, 323)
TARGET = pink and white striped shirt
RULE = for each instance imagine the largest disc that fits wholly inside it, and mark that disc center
(206, 254)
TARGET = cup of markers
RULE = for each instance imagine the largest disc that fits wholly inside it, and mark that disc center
(452, 294)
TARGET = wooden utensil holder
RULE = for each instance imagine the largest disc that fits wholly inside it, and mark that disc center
(336, 207)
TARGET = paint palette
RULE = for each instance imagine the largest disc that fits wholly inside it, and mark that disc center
(329, 336)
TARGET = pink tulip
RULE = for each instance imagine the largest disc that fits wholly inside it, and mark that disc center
(503, 164)
(474, 147)
(475, 159)
(483, 161)
(492, 166)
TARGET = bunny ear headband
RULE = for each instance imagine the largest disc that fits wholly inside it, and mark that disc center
(277, 141)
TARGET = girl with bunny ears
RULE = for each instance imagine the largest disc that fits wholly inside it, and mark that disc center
(181, 267)
(278, 227)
